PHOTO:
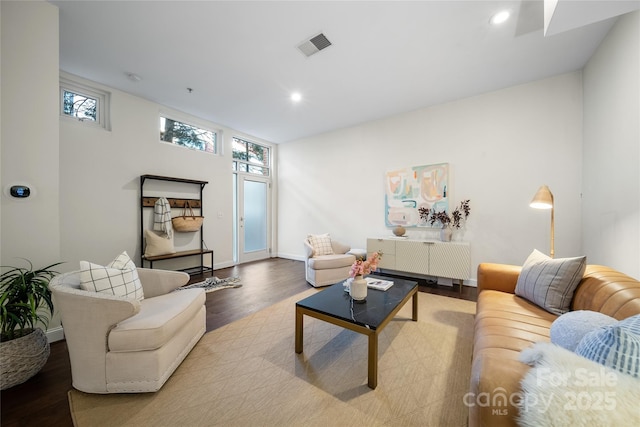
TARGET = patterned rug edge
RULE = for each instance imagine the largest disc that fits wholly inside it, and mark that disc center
(213, 284)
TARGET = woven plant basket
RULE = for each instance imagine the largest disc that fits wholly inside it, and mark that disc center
(22, 358)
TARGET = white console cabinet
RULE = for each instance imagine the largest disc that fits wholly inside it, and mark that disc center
(425, 257)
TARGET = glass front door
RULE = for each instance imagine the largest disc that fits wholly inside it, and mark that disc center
(253, 219)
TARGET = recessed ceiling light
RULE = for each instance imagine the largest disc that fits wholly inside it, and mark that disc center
(500, 17)
(296, 97)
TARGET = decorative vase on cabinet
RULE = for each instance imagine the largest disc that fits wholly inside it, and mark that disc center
(399, 231)
(445, 234)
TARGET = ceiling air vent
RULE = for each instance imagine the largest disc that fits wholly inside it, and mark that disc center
(314, 45)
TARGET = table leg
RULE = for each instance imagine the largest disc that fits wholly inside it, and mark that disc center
(299, 328)
(414, 316)
(373, 360)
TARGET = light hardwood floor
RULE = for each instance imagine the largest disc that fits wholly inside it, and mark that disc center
(42, 400)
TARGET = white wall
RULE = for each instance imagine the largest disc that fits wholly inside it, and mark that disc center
(611, 179)
(100, 185)
(30, 227)
(500, 146)
(29, 142)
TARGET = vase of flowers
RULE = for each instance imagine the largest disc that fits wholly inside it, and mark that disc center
(457, 219)
(358, 287)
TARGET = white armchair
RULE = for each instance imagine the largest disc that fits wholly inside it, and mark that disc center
(324, 270)
(123, 345)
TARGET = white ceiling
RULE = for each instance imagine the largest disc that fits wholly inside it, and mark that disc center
(240, 58)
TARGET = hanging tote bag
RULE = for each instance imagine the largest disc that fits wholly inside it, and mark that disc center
(187, 221)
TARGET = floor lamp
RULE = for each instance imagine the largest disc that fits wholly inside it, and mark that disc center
(544, 200)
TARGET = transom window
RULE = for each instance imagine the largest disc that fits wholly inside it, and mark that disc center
(250, 157)
(79, 106)
(84, 103)
(187, 135)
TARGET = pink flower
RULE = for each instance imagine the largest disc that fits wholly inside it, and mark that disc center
(360, 267)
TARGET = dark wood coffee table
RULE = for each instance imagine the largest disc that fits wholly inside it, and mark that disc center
(335, 306)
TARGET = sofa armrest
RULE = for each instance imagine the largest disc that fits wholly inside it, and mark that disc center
(159, 282)
(498, 277)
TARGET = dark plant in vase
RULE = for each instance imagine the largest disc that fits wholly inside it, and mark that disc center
(24, 348)
(424, 214)
(440, 217)
(460, 213)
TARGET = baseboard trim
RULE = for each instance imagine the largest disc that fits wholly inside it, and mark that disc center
(55, 334)
(220, 265)
(291, 256)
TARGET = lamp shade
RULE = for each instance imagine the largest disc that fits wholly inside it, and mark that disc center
(543, 199)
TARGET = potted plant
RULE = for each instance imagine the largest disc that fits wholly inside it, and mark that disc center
(25, 301)
(456, 219)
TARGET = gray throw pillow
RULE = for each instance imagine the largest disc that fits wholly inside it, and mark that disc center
(550, 283)
(568, 330)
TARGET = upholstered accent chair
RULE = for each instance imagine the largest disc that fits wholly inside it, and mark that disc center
(326, 260)
(119, 344)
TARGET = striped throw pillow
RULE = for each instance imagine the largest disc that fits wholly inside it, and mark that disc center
(550, 283)
(616, 346)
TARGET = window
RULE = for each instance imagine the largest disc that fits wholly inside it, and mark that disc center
(79, 106)
(84, 103)
(186, 135)
(250, 157)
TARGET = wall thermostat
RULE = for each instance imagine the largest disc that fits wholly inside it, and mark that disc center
(20, 191)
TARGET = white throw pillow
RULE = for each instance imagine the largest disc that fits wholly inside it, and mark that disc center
(157, 245)
(321, 244)
(119, 278)
(550, 283)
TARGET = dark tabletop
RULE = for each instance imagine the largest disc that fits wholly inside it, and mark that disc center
(334, 301)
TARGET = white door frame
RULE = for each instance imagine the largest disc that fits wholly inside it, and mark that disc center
(243, 256)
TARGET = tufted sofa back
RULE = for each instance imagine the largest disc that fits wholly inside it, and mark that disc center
(608, 291)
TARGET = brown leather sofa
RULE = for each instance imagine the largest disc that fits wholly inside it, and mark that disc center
(505, 324)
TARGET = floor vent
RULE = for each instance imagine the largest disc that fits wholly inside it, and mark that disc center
(314, 45)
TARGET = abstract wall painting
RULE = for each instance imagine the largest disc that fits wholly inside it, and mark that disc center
(408, 189)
